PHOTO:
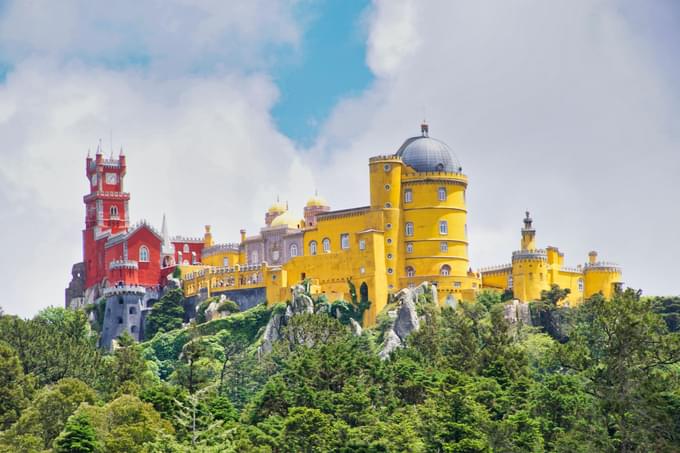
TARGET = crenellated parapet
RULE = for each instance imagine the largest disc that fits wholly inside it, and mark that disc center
(122, 289)
(602, 266)
(500, 269)
(220, 248)
(123, 264)
(530, 255)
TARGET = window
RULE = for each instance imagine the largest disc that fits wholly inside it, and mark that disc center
(388, 205)
(443, 227)
(390, 256)
(443, 246)
(510, 281)
(362, 270)
(441, 194)
(387, 167)
(225, 262)
(344, 241)
(409, 247)
(387, 187)
(445, 270)
(362, 244)
(120, 320)
(186, 248)
(254, 257)
(144, 253)
(114, 212)
(580, 285)
(390, 270)
(389, 240)
(410, 271)
(312, 247)
(293, 250)
(456, 284)
(388, 226)
(408, 196)
(409, 229)
(179, 257)
(326, 245)
(132, 310)
(133, 329)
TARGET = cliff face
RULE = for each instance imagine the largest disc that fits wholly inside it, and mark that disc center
(74, 294)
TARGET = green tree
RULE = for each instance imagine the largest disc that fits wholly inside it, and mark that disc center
(623, 351)
(307, 430)
(78, 436)
(13, 398)
(167, 313)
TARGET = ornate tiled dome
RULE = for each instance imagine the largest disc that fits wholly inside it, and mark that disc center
(424, 153)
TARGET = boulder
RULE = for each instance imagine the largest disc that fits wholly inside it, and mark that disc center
(272, 332)
(407, 319)
(515, 311)
(391, 343)
(355, 327)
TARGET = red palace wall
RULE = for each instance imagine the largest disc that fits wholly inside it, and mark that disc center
(196, 247)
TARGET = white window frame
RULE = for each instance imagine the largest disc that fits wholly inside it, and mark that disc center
(408, 196)
(409, 247)
(580, 285)
(444, 246)
(362, 244)
(408, 229)
(225, 261)
(441, 194)
(445, 270)
(113, 212)
(344, 241)
(443, 227)
(326, 245)
(293, 250)
(186, 248)
(410, 271)
(313, 248)
(144, 254)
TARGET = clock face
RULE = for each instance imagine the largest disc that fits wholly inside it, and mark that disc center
(111, 178)
(94, 179)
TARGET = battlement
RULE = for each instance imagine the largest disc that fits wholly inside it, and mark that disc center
(602, 266)
(222, 271)
(109, 195)
(530, 255)
(502, 268)
(219, 248)
(124, 289)
(123, 264)
(342, 213)
(392, 157)
(196, 240)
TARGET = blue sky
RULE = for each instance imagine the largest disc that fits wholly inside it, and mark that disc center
(331, 64)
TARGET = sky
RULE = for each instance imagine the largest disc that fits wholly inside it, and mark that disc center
(568, 109)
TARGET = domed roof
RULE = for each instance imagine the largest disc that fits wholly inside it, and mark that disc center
(424, 153)
(277, 207)
(286, 219)
(316, 200)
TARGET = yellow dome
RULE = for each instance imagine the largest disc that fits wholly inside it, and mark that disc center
(316, 201)
(277, 207)
(286, 219)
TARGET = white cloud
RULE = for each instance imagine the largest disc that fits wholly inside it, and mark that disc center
(561, 108)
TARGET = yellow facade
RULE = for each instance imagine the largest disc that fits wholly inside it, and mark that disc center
(534, 270)
(413, 230)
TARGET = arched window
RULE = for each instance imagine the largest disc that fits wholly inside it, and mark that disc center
(441, 194)
(144, 253)
(445, 270)
(580, 285)
(225, 262)
(443, 227)
(194, 259)
(409, 247)
(344, 241)
(114, 212)
(254, 257)
(186, 248)
(443, 246)
(410, 271)
(409, 229)
(133, 329)
(312, 247)
(293, 250)
(408, 196)
(326, 245)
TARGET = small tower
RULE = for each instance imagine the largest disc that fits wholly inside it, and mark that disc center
(167, 247)
(207, 237)
(315, 206)
(528, 234)
(275, 210)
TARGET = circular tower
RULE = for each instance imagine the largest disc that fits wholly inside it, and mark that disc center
(601, 277)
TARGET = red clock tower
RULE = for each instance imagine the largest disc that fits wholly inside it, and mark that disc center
(106, 212)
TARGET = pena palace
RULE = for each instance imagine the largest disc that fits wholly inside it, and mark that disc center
(413, 229)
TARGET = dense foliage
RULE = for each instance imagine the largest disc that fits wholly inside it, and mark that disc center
(604, 376)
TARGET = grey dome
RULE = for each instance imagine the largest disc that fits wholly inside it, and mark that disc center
(424, 153)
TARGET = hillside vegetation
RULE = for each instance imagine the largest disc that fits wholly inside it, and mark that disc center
(603, 377)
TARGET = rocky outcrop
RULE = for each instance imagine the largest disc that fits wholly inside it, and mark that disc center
(407, 320)
(272, 333)
(212, 310)
(515, 311)
(355, 327)
(301, 302)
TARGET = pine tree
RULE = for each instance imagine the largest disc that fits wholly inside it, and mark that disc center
(78, 436)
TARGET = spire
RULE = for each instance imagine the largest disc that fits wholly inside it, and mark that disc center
(88, 153)
(425, 129)
(120, 153)
(99, 146)
(164, 232)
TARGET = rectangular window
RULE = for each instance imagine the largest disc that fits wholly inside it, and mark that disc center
(441, 194)
(443, 246)
(456, 284)
(362, 244)
(443, 227)
(344, 241)
(409, 247)
(408, 196)
(409, 229)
